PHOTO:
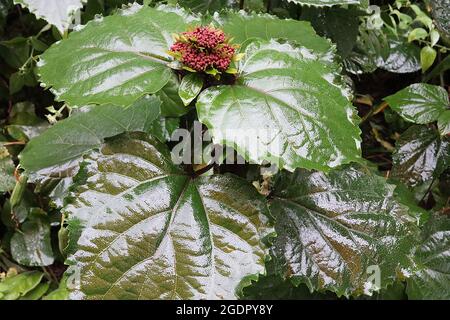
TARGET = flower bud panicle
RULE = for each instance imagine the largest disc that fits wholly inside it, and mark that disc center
(204, 48)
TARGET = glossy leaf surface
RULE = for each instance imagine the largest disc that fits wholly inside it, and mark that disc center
(31, 245)
(71, 138)
(420, 102)
(242, 27)
(148, 231)
(402, 57)
(121, 58)
(288, 104)
(420, 155)
(172, 105)
(56, 12)
(190, 87)
(332, 229)
(431, 280)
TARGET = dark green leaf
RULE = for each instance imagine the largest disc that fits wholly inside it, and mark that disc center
(31, 246)
(71, 138)
(420, 102)
(127, 61)
(431, 277)
(190, 87)
(334, 231)
(172, 106)
(145, 230)
(403, 57)
(242, 27)
(338, 24)
(440, 10)
(420, 155)
(297, 102)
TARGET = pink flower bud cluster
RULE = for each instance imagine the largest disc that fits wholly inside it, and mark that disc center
(204, 48)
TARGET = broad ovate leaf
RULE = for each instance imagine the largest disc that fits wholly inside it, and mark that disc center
(431, 278)
(334, 231)
(146, 230)
(287, 107)
(421, 103)
(114, 60)
(70, 138)
(59, 13)
(420, 155)
(242, 27)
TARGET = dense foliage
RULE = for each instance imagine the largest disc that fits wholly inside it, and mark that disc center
(280, 149)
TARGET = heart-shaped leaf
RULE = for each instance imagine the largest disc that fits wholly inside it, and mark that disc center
(335, 231)
(145, 230)
(420, 155)
(114, 60)
(287, 107)
(242, 27)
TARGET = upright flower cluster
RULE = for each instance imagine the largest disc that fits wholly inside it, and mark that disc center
(204, 49)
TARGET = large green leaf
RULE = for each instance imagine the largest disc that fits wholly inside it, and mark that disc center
(325, 3)
(242, 27)
(71, 138)
(332, 229)
(303, 113)
(431, 279)
(420, 155)
(420, 103)
(148, 231)
(56, 12)
(113, 60)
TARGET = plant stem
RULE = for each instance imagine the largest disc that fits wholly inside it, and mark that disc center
(374, 111)
(241, 4)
